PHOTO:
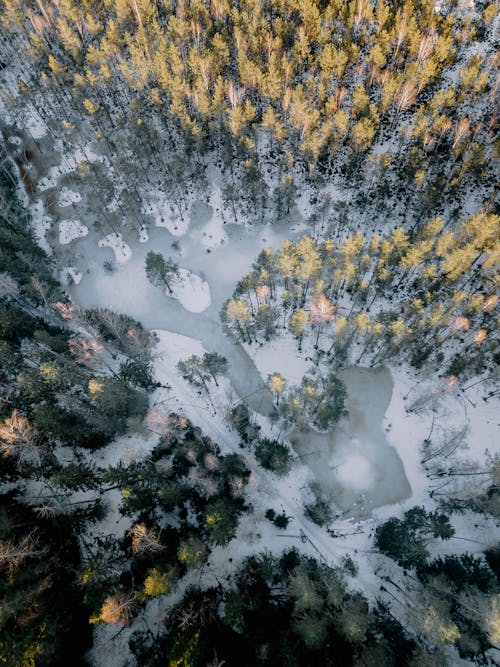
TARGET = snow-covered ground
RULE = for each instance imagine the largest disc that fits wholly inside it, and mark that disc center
(69, 230)
(350, 536)
(74, 274)
(214, 256)
(118, 246)
(68, 197)
(192, 291)
(159, 207)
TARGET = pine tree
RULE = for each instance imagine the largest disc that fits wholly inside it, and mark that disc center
(161, 272)
(215, 364)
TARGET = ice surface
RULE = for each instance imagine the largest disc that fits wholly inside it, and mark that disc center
(354, 465)
(195, 312)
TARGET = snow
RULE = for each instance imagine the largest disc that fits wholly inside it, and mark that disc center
(289, 494)
(232, 249)
(122, 251)
(69, 230)
(265, 489)
(182, 397)
(453, 412)
(358, 463)
(281, 356)
(113, 205)
(157, 205)
(173, 225)
(192, 291)
(371, 465)
(68, 197)
(40, 225)
(127, 448)
(213, 233)
(127, 290)
(405, 432)
(483, 421)
(49, 181)
(74, 274)
(170, 348)
(34, 125)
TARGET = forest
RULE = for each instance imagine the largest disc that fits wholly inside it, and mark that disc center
(249, 353)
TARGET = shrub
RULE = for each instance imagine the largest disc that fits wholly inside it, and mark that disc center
(319, 512)
(279, 520)
(192, 552)
(274, 456)
(240, 419)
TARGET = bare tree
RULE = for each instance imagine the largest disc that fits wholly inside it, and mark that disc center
(118, 607)
(144, 539)
(18, 438)
(13, 554)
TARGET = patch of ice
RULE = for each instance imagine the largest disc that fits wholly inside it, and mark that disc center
(69, 230)
(192, 291)
(115, 241)
(353, 463)
(67, 197)
(354, 470)
(211, 235)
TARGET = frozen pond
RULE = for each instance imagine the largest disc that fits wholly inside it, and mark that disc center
(217, 254)
(353, 465)
(127, 290)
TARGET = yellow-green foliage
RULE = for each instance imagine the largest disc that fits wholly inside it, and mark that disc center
(287, 67)
(156, 583)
